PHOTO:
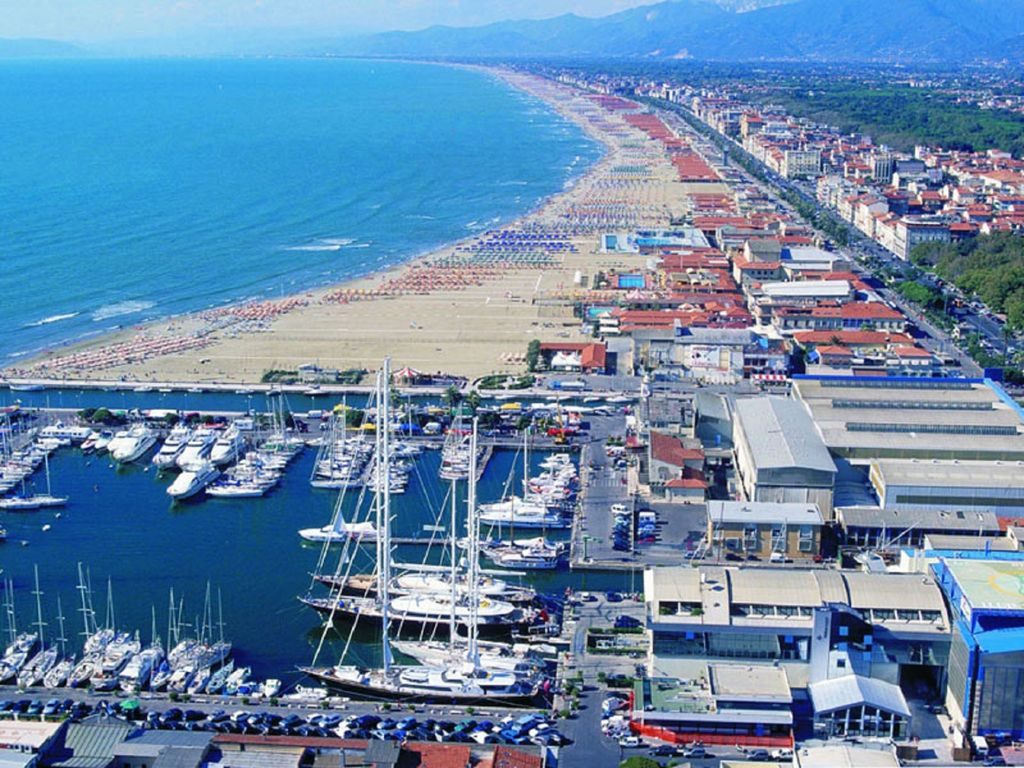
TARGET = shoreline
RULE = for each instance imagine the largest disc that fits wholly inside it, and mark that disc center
(233, 325)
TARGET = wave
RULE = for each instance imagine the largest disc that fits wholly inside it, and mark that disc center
(323, 244)
(358, 245)
(320, 247)
(121, 308)
(52, 319)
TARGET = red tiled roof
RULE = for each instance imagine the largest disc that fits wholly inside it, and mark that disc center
(421, 754)
(831, 350)
(508, 757)
(686, 482)
(907, 351)
(671, 451)
(852, 338)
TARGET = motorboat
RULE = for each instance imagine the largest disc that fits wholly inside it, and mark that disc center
(167, 456)
(131, 444)
(194, 477)
(228, 447)
(198, 447)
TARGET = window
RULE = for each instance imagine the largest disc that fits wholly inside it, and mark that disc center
(806, 538)
(883, 614)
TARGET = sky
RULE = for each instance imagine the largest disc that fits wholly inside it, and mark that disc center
(121, 20)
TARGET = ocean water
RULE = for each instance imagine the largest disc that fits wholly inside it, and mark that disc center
(131, 190)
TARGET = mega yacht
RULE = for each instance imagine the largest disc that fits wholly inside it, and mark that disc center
(228, 447)
(198, 447)
(167, 456)
(195, 476)
(515, 512)
(140, 668)
(131, 444)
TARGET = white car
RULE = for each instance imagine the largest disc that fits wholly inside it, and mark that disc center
(619, 509)
(630, 741)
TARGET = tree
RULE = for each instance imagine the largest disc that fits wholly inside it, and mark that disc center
(452, 396)
(473, 400)
(532, 355)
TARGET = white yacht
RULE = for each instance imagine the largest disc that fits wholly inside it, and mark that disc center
(194, 477)
(525, 555)
(519, 513)
(228, 447)
(340, 531)
(167, 456)
(198, 447)
(131, 444)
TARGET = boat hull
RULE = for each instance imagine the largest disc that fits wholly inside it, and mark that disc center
(373, 693)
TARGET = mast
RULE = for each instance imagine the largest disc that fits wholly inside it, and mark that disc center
(154, 638)
(473, 574)
(110, 604)
(220, 616)
(88, 620)
(172, 623)
(12, 625)
(454, 576)
(39, 606)
(62, 640)
(383, 504)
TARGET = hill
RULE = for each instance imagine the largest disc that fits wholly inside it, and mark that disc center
(823, 30)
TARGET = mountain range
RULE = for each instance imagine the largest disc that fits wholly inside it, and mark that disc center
(911, 31)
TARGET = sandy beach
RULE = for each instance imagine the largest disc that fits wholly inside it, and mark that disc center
(467, 309)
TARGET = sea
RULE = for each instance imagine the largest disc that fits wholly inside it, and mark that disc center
(131, 190)
(136, 189)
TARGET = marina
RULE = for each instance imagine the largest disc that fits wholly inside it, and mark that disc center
(217, 538)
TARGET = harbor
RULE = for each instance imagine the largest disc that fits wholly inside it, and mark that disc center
(245, 546)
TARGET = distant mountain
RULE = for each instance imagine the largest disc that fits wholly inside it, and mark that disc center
(735, 30)
(26, 48)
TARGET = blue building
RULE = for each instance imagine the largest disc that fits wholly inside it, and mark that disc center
(986, 658)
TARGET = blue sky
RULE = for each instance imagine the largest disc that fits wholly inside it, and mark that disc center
(114, 20)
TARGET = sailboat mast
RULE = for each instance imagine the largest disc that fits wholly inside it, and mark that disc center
(220, 616)
(39, 606)
(473, 575)
(12, 624)
(62, 640)
(110, 604)
(85, 609)
(384, 486)
(452, 529)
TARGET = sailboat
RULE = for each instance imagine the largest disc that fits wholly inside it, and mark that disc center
(58, 674)
(21, 645)
(463, 679)
(29, 502)
(39, 665)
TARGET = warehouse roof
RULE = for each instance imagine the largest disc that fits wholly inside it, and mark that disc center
(894, 417)
(897, 521)
(764, 512)
(950, 473)
(989, 584)
(791, 587)
(781, 434)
